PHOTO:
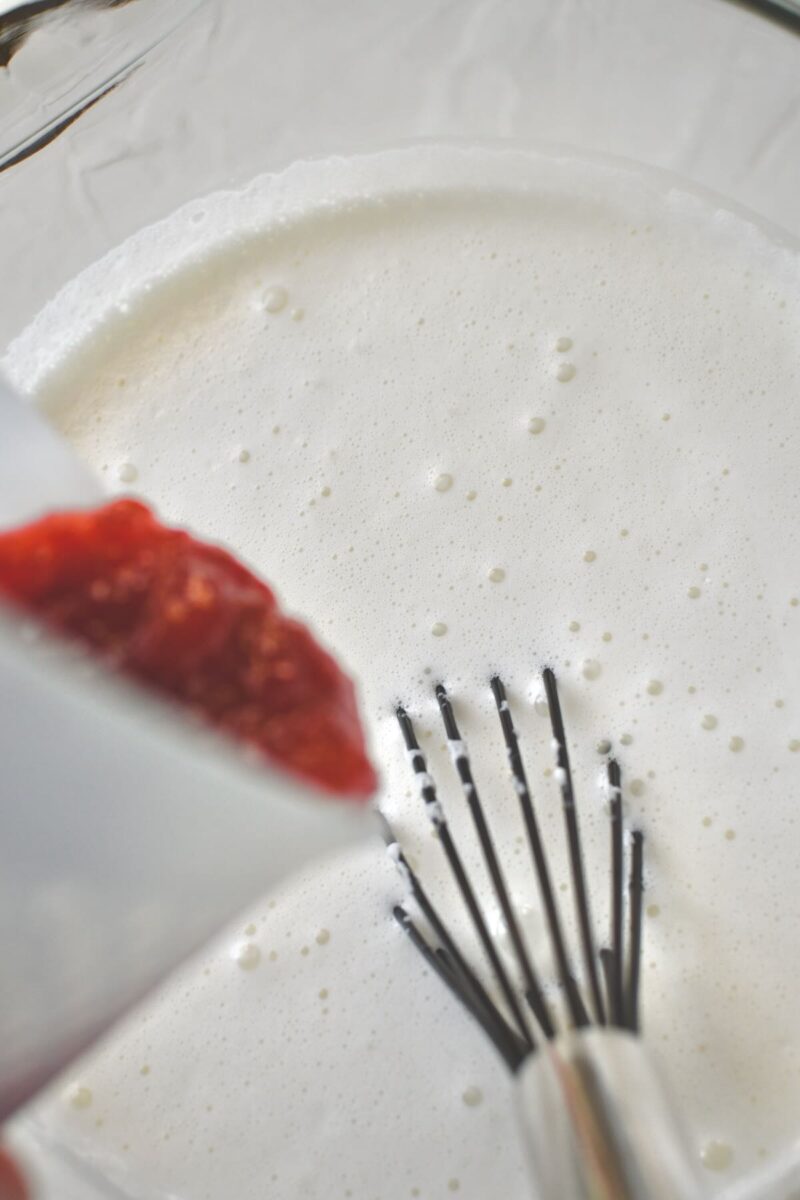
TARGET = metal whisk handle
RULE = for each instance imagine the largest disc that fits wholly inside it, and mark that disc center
(598, 1124)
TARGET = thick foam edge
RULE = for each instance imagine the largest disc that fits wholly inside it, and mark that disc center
(163, 250)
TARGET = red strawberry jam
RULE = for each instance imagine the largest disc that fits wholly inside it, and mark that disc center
(191, 622)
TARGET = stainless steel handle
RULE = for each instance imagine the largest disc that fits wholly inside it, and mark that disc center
(598, 1125)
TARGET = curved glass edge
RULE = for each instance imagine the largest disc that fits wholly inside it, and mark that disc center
(785, 13)
(117, 51)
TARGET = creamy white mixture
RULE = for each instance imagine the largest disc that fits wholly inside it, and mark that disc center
(470, 411)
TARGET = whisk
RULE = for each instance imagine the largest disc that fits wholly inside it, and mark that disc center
(596, 1120)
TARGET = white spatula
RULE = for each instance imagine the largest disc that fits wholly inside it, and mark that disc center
(127, 836)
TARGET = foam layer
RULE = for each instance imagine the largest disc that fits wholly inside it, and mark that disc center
(471, 411)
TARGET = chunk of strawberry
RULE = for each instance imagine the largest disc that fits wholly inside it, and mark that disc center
(188, 620)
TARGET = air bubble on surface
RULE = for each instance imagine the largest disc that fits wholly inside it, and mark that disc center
(78, 1095)
(275, 299)
(716, 1156)
(246, 955)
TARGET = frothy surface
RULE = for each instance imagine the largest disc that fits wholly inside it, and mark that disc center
(471, 412)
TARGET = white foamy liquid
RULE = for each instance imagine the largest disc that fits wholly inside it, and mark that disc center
(470, 412)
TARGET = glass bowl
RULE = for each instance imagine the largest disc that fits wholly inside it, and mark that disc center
(114, 114)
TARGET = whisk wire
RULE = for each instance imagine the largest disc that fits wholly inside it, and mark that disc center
(509, 1046)
(577, 1009)
(564, 776)
(510, 1030)
(614, 980)
(533, 989)
(456, 865)
(636, 888)
(461, 978)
